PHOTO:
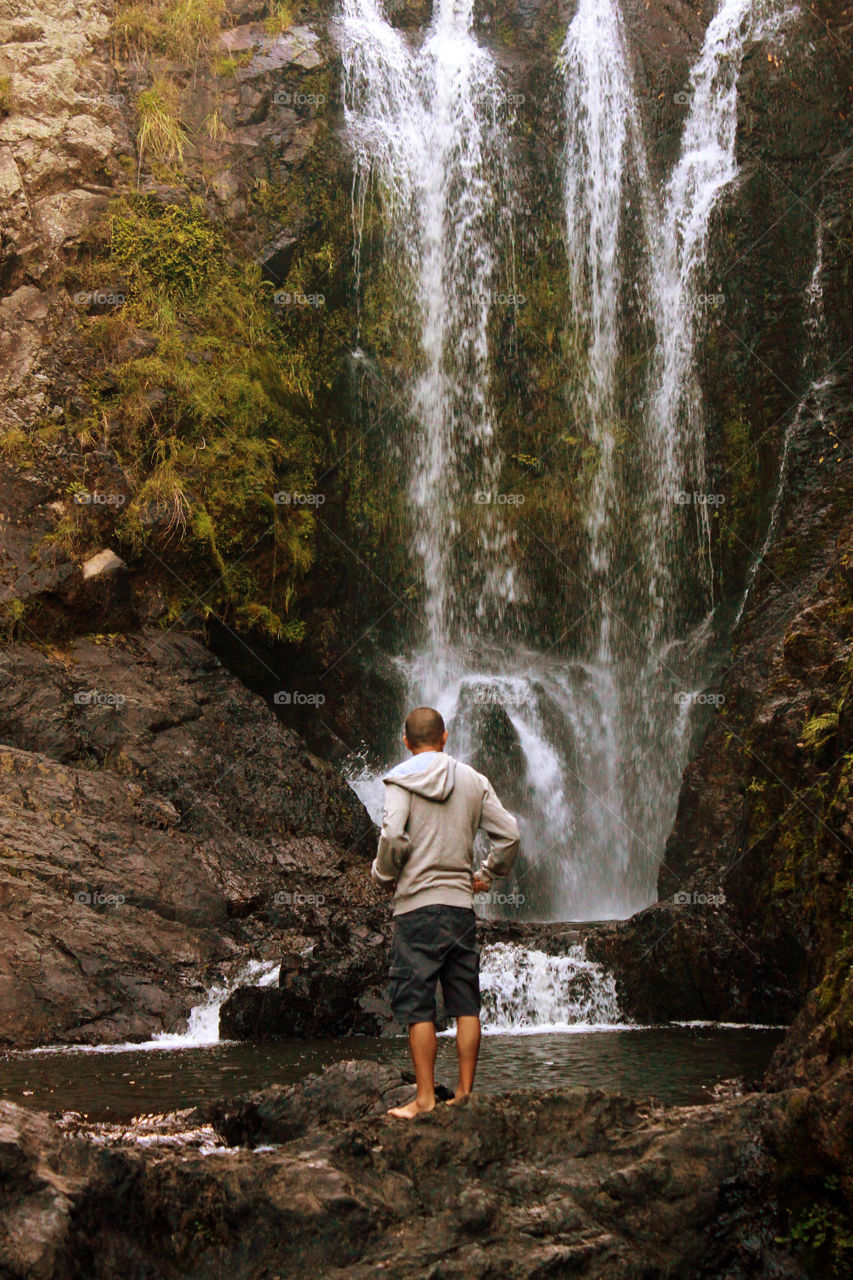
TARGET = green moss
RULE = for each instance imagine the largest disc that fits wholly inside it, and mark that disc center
(227, 65)
(12, 615)
(819, 730)
(7, 97)
(210, 424)
(821, 1232)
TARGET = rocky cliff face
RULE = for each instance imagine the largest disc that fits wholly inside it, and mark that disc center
(568, 1183)
(159, 827)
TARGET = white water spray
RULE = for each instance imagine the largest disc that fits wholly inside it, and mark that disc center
(533, 992)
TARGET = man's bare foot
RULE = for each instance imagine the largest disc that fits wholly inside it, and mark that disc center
(412, 1109)
(457, 1097)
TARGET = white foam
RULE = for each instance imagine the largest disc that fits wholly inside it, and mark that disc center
(532, 993)
(203, 1021)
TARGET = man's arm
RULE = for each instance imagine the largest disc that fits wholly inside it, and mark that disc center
(394, 841)
(502, 829)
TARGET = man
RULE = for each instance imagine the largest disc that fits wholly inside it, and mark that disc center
(434, 806)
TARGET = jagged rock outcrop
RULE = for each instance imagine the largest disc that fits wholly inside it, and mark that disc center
(159, 827)
(570, 1182)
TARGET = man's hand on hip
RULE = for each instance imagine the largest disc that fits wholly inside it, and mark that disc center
(480, 885)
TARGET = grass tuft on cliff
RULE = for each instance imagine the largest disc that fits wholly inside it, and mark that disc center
(208, 417)
(160, 133)
(178, 29)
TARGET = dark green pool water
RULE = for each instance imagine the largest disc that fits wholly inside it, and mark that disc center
(673, 1064)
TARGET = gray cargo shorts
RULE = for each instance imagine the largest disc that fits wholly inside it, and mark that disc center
(435, 944)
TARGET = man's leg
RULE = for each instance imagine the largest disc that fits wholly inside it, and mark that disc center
(422, 1046)
(460, 980)
(467, 1052)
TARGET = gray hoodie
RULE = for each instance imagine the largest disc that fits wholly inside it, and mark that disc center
(434, 806)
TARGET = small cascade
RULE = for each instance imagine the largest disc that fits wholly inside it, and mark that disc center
(203, 1020)
(528, 991)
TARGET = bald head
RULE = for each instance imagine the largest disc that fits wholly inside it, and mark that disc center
(425, 730)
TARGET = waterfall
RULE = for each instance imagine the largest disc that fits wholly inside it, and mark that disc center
(586, 747)
(425, 130)
(602, 128)
(706, 167)
(530, 991)
(203, 1019)
(810, 408)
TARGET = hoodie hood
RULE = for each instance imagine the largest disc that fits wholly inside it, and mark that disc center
(429, 774)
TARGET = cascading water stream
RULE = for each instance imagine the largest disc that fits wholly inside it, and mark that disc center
(588, 749)
(530, 991)
(811, 407)
(706, 167)
(424, 128)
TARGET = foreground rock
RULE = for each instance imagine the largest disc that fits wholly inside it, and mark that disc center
(159, 828)
(525, 1186)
